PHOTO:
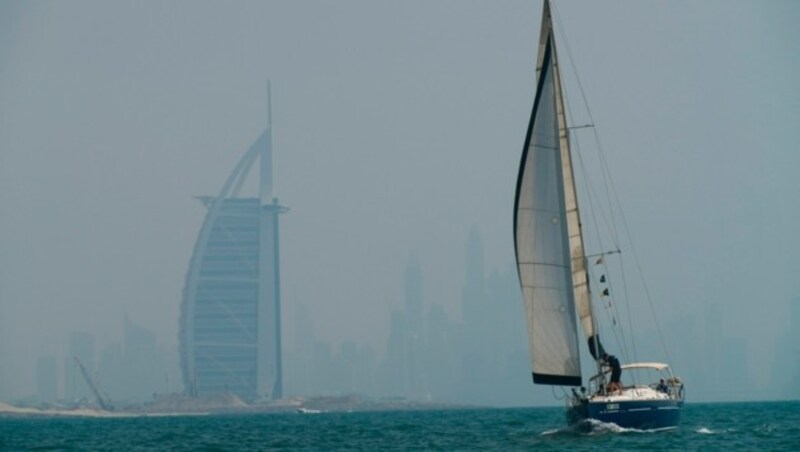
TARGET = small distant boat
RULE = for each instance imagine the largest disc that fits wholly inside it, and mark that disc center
(555, 276)
(308, 411)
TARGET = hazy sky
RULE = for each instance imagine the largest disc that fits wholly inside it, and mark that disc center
(398, 127)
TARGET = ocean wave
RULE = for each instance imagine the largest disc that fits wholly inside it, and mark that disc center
(587, 427)
(596, 427)
(708, 431)
(599, 427)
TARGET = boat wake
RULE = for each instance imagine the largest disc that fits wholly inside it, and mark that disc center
(595, 427)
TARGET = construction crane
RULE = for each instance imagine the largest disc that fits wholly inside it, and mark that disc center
(104, 402)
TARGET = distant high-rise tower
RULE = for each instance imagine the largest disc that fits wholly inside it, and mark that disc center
(230, 325)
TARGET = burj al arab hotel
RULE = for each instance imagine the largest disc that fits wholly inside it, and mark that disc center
(230, 317)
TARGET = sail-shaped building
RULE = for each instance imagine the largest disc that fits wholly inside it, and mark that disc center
(230, 328)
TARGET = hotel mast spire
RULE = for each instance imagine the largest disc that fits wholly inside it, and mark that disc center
(266, 156)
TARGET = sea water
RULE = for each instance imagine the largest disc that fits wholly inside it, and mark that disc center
(740, 426)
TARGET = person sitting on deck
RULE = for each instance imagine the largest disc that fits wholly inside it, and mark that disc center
(662, 387)
(616, 371)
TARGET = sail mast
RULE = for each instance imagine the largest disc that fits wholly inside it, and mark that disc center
(580, 274)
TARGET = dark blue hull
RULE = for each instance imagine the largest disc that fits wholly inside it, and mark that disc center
(640, 414)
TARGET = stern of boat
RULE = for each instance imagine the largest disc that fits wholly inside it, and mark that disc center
(640, 406)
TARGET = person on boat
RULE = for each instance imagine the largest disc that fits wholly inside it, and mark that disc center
(616, 372)
(662, 387)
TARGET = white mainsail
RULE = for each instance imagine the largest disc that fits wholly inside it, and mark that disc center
(547, 234)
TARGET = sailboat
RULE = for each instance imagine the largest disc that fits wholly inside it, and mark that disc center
(554, 274)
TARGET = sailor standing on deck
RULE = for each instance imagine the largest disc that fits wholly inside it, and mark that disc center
(616, 371)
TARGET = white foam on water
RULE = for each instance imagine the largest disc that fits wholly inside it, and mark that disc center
(705, 431)
(599, 427)
(587, 427)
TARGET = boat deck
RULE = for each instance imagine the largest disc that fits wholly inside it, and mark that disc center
(630, 394)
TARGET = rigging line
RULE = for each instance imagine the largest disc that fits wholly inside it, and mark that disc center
(628, 354)
(625, 297)
(627, 306)
(650, 303)
(615, 312)
(628, 236)
(616, 327)
(617, 332)
(588, 190)
(626, 294)
(563, 35)
(595, 199)
(594, 205)
(613, 196)
(610, 188)
(608, 185)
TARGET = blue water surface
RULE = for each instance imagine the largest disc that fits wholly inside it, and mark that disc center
(748, 426)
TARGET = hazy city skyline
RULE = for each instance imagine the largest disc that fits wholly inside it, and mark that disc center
(398, 129)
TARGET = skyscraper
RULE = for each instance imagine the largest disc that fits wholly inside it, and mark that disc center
(230, 329)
